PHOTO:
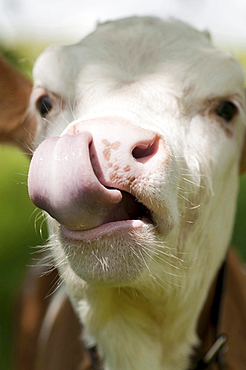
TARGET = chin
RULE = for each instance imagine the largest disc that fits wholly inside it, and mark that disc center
(114, 254)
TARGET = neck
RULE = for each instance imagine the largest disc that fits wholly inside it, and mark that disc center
(132, 332)
(145, 333)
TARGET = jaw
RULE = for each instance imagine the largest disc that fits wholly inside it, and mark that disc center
(151, 249)
(113, 255)
(132, 254)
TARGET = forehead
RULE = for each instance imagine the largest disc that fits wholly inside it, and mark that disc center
(170, 55)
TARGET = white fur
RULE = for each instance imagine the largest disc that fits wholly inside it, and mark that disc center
(163, 76)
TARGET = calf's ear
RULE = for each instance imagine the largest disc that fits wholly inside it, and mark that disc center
(243, 157)
(17, 126)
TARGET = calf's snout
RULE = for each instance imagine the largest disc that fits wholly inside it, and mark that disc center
(86, 177)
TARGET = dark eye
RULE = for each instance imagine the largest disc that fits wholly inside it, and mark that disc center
(44, 105)
(226, 110)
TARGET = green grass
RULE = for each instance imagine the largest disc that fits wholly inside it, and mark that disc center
(17, 235)
(17, 219)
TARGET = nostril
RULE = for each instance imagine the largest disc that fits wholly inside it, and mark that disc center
(144, 151)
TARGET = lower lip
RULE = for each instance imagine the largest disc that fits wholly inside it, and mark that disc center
(100, 231)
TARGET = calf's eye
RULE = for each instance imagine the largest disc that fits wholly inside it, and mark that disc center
(44, 105)
(226, 110)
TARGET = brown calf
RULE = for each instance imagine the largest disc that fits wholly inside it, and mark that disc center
(16, 125)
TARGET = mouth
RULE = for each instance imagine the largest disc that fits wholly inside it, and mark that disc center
(129, 215)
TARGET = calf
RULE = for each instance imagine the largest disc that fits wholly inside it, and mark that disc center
(17, 126)
(140, 138)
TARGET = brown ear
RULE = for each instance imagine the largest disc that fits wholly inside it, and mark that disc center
(16, 125)
(243, 157)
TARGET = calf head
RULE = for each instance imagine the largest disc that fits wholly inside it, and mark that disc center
(141, 128)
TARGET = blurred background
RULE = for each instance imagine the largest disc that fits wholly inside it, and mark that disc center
(26, 28)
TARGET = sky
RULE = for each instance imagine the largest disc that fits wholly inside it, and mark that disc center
(70, 20)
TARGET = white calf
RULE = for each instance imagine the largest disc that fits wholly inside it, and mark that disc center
(144, 123)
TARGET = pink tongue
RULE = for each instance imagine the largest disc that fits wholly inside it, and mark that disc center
(63, 183)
